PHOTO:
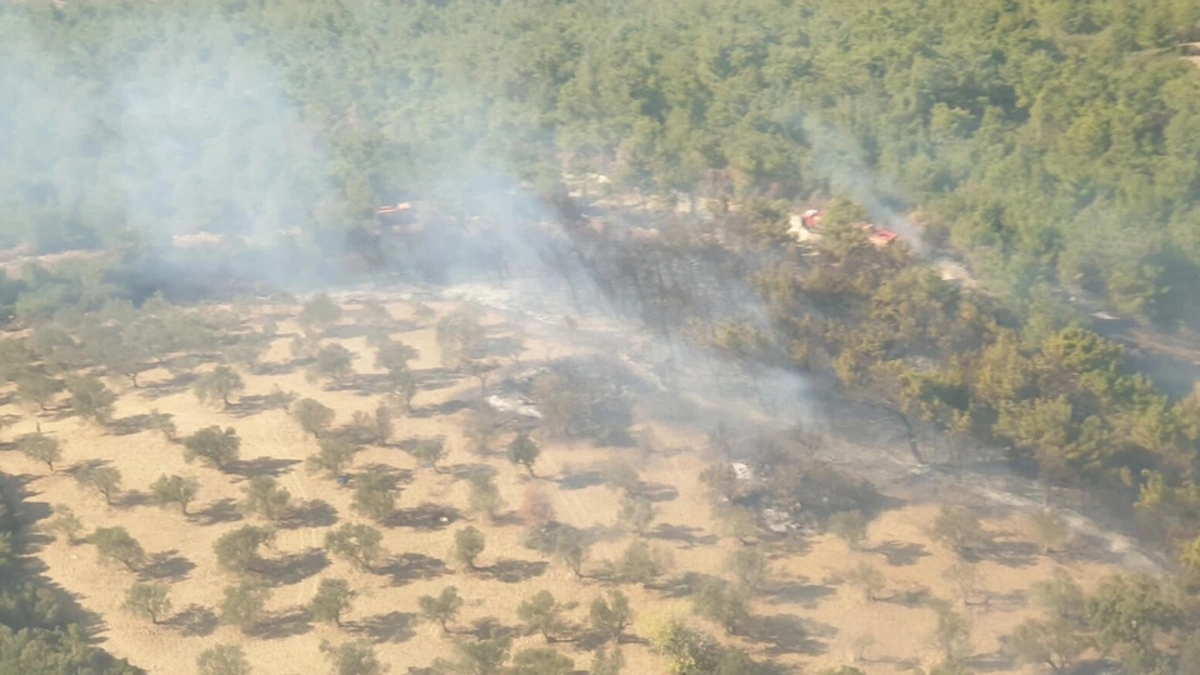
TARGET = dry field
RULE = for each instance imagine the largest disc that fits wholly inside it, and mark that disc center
(806, 616)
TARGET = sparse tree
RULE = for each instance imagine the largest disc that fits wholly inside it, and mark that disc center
(360, 544)
(1056, 644)
(90, 399)
(320, 312)
(361, 429)
(238, 550)
(214, 446)
(442, 608)
(722, 603)
(481, 370)
(115, 543)
(485, 496)
(331, 601)
(867, 578)
(169, 490)
(40, 448)
(607, 661)
(104, 479)
(265, 497)
(37, 389)
(850, 526)
(353, 658)
(65, 523)
(243, 604)
(314, 418)
(610, 614)
(958, 528)
(571, 546)
(522, 450)
(952, 636)
(163, 424)
(1062, 597)
(636, 512)
(375, 496)
(148, 601)
(543, 614)
(468, 544)
(642, 563)
(749, 567)
(1050, 530)
(430, 451)
(394, 356)
(402, 385)
(481, 657)
(334, 457)
(540, 662)
(333, 363)
(223, 660)
(218, 385)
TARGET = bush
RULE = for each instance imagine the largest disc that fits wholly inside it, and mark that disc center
(468, 544)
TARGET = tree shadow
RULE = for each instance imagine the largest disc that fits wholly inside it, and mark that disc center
(432, 379)
(900, 554)
(579, 481)
(282, 625)
(221, 511)
(390, 627)
(427, 516)
(686, 584)
(442, 409)
(261, 466)
(194, 620)
(464, 471)
(487, 628)
(310, 513)
(295, 567)
(511, 571)
(130, 425)
(997, 662)
(412, 567)
(166, 565)
(178, 382)
(1010, 553)
(130, 499)
(248, 406)
(911, 597)
(787, 634)
(808, 596)
(685, 534)
(657, 492)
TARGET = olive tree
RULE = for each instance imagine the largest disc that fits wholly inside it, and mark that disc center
(723, 603)
(238, 550)
(115, 543)
(360, 544)
(320, 312)
(314, 417)
(243, 604)
(522, 450)
(218, 385)
(430, 451)
(223, 660)
(169, 490)
(571, 546)
(64, 523)
(441, 608)
(610, 614)
(642, 563)
(333, 363)
(90, 399)
(468, 544)
(540, 662)
(104, 479)
(40, 448)
(331, 601)
(148, 601)
(749, 567)
(334, 456)
(214, 446)
(353, 658)
(264, 496)
(375, 496)
(543, 614)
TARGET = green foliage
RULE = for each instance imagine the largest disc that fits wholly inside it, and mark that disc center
(332, 599)
(223, 660)
(90, 399)
(607, 661)
(174, 490)
(485, 496)
(749, 566)
(572, 547)
(116, 544)
(522, 450)
(459, 335)
(218, 385)
(429, 451)
(541, 662)
(148, 601)
(958, 528)
(353, 658)
(320, 312)
(65, 523)
(313, 417)
(333, 363)
(468, 544)
(40, 448)
(441, 608)
(867, 578)
(723, 603)
(481, 657)
(850, 526)
(610, 614)
(358, 543)
(952, 635)
(642, 562)
(214, 446)
(689, 652)
(375, 496)
(37, 388)
(1055, 644)
(238, 550)
(1129, 614)
(334, 457)
(264, 496)
(1050, 529)
(637, 512)
(243, 605)
(543, 614)
(103, 479)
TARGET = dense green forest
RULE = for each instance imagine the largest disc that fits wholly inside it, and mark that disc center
(1046, 140)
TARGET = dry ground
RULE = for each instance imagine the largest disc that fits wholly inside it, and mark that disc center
(807, 616)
